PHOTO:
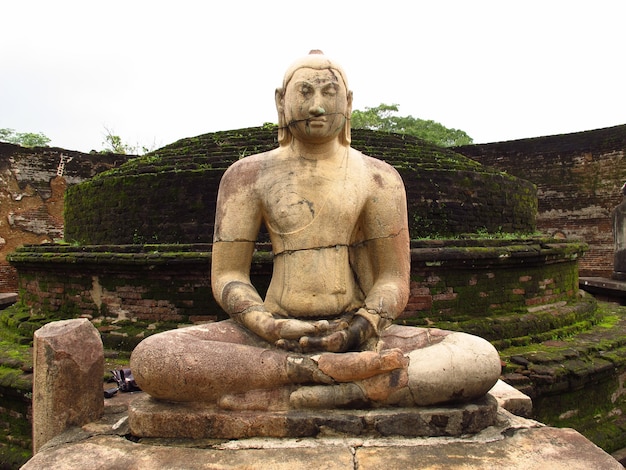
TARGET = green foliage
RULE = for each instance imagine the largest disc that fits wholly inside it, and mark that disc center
(25, 139)
(384, 118)
(114, 144)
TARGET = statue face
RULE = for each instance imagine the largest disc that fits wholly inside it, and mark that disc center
(315, 104)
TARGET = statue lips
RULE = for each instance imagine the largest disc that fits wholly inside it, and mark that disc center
(316, 122)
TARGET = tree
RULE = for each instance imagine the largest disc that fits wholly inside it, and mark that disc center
(383, 118)
(114, 144)
(25, 139)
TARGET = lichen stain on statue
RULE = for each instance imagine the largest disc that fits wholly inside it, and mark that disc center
(323, 335)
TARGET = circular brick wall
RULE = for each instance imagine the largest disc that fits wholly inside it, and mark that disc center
(169, 195)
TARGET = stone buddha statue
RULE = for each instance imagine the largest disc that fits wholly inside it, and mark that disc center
(322, 336)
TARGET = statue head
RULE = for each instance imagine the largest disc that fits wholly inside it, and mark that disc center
(319, 68)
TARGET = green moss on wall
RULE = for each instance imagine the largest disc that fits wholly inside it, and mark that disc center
(169, 196)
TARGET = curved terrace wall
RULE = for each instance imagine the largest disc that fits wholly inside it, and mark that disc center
(169, 196)
(483, 286)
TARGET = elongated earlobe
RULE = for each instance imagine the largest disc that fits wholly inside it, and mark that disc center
(284, 135)
(346, 136)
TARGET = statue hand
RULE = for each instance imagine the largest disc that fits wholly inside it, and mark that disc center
(281, 331)
(295, 329)
(349, 338)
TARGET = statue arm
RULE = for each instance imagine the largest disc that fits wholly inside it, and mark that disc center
(386, 232)
(237, 224)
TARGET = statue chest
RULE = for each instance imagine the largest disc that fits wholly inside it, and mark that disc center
(315, 207)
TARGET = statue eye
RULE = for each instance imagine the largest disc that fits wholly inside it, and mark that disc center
(330, 90)
(306, 91)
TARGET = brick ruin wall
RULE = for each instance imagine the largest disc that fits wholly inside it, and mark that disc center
(115, 283)
(578, 178)
(32, 188)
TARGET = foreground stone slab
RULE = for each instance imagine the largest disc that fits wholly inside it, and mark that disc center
(151, 418)
(513, 443)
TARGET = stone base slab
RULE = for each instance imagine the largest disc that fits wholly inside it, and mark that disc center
(513, 443)
(150, 418)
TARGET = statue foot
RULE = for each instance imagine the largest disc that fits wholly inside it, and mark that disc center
(345, 395)
(382, 389)
(276, 399)
(354, 366)
(303, 369)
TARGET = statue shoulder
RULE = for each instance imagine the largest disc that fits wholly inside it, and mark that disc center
(248, 169)
(379, 169)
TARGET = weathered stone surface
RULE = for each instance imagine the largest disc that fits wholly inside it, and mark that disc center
(150, 418)
(67, 387)
(7, 298)
(576, 176)
(511, 399)
(438, 374)
(32, 187)
(513, 443)
(536, 448)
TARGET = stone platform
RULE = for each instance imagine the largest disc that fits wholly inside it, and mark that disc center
(513, 443)
(151, 418)
(602, 287)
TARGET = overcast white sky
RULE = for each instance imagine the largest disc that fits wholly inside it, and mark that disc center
(157, 71)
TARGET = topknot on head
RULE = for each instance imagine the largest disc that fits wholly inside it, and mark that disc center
(314, 60)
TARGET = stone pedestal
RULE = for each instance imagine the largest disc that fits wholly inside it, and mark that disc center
(67, 387)
(511, 442)
(151, 418)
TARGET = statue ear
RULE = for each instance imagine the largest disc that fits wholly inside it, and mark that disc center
(280, 100)
(349, 99)
(284, 136)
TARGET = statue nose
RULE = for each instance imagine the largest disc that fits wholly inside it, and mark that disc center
(317, 110)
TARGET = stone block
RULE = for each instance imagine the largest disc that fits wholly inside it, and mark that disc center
(511, 399)
(68, 362)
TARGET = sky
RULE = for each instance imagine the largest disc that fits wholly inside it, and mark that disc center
(157, 71)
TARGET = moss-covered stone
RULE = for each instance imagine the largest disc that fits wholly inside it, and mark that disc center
(169, 196)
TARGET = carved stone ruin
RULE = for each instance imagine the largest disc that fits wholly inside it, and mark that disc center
(68, 362)
(319, 358)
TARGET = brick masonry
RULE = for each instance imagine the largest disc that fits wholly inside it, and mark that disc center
(578, 178)
(456, 280)
(32, 189)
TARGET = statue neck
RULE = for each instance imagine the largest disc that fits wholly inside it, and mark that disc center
(317, 151)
